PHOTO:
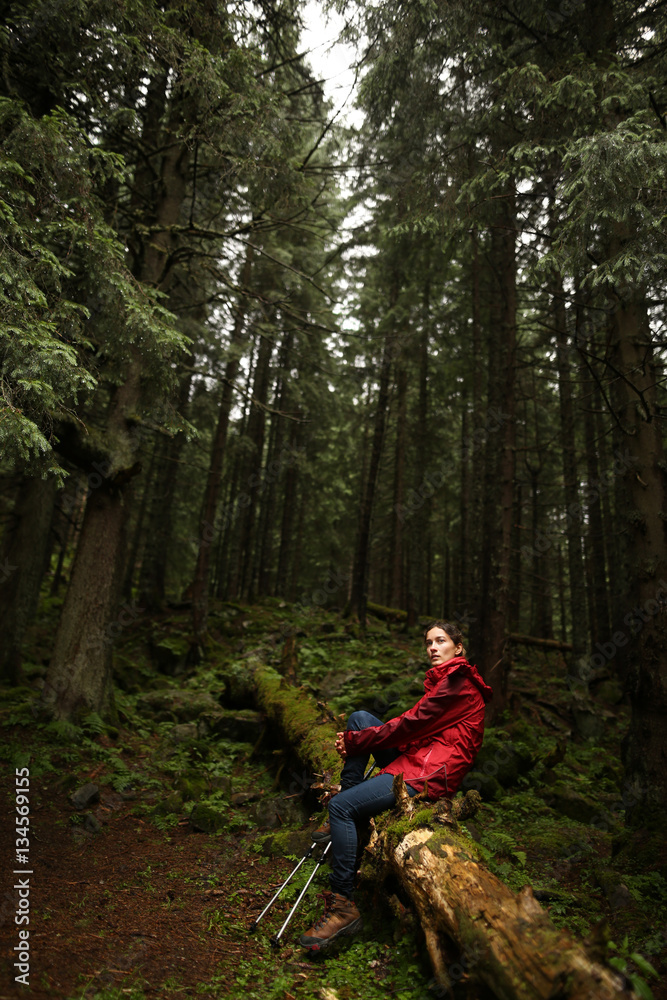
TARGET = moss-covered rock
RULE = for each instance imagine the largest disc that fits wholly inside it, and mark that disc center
(242, 725)
(503, 760)
(488, 787)
(172, 803)
(277, 811)
(207, 819)
(568, 802)
(283, 844)
(178, 704)
(191, 787)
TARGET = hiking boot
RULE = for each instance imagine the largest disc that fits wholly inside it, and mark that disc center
(340, 917)
(323, 833)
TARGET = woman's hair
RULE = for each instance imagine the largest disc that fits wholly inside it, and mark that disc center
(453, 631)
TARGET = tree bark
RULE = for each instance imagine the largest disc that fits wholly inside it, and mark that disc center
(244, 583)
(79, 675)
(289, 510)
(22, 566)
(573, 521)
(359, 596)
(207, 529)
(643, 565)
(417, 585)
(504, 941)
(396, 598)
(499, 461)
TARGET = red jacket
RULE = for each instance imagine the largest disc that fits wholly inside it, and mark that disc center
(440, 736)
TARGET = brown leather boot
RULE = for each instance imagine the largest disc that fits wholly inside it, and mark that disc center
(340, 917)
(323, 833)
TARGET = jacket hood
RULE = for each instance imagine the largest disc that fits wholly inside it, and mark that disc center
(459, 663)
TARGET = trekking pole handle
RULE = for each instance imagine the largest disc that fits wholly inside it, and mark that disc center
(275, 940)
(254, 924)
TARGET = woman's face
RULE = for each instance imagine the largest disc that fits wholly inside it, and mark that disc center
(440, 647)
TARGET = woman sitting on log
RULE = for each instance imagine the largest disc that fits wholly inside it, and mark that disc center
(433, 745)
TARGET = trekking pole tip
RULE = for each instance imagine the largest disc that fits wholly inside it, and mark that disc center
(275, 942)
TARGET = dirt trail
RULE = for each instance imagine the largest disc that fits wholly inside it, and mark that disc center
(131, 904)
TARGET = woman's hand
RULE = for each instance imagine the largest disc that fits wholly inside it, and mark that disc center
(340, 745)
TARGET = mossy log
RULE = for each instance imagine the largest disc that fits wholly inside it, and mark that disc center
(299, 720)
(503, 940)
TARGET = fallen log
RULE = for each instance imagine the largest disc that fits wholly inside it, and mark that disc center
(504, 940)
(301, 723)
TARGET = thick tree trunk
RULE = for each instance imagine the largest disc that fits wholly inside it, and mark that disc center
(642, 632)
(504, 941)
(79, 675)
(22, 566)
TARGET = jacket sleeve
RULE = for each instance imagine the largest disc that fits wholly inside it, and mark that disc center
(432, 713)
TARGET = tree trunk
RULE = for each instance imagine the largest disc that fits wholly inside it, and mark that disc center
(359, 596)
(138, 533)
(643, 567)
(289, 510)
(504, 941)
(574, 517)
(79, 675)
(253, 468)
(499, 461)
(596, 533)
(207, 529)
(275, 461)
(158, 533)
(22, 566)
(418, 590)
(396, 599)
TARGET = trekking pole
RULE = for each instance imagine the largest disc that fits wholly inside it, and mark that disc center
(253, 925)
(275, 940)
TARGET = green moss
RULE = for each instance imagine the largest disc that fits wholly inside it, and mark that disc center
(300, 719)
(171, 804)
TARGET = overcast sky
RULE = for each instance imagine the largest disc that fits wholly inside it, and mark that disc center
(330, 58)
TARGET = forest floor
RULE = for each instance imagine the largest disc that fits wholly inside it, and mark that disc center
(149, 889)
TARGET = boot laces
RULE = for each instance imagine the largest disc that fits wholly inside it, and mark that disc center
(329, 904)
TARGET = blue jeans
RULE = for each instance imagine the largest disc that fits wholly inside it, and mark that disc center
(358, 799)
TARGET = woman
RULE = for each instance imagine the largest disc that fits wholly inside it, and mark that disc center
(433, 745)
